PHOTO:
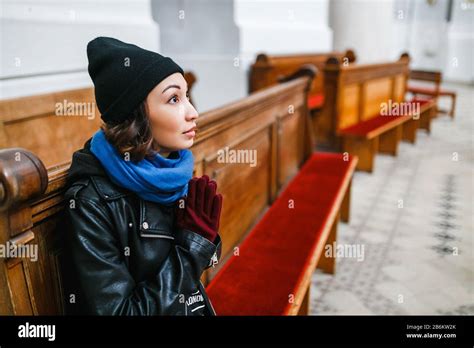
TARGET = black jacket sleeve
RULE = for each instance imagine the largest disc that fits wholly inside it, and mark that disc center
(103, 284)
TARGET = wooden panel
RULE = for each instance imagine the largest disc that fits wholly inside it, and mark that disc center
(267, 68)
(349, 105)
(375, 92)
(399, 88)
(61, 121)
(290, 146)
(20, 295)
(242, 185)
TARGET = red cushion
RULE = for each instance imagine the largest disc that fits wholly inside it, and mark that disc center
(274, 255)
(422, 101)
(428, 91)
(447, 92)
(365, 127)
(315, 101)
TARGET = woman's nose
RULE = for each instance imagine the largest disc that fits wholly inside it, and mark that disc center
(192, 114)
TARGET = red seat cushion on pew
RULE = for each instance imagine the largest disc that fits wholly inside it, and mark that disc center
(428, 90)
(315, 101)
(365, 127)
(422, 101)
(273, 257)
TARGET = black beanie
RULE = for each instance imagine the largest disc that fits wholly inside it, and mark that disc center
(123, 75)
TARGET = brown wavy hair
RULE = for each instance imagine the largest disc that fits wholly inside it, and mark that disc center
(133, 137)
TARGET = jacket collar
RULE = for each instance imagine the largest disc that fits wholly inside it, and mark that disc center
(107, 190)
(156, 220)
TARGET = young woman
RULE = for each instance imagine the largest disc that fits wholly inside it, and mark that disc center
(139, 230)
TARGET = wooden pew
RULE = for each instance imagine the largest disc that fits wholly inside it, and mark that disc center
(273, 122)
(267, 69)
(352, 117)
(271, 272)
(53, 125)
(434, 91)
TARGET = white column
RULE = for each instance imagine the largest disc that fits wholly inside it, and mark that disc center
(364, 25)
(43, 42)
(459, 63)
(283, 26)
(428, 37)
(202, 37)
(219, 39)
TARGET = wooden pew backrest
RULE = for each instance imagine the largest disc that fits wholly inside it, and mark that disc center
(435, 77)
(267, 68)
(52, 126)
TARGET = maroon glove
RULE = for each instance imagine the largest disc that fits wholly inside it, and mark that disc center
(202, 210)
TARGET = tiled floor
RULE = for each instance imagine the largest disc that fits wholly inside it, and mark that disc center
(414, 217)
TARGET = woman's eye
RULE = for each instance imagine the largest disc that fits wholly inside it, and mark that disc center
(173, 99)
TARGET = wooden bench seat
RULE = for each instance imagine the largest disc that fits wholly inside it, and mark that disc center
(374, 126)
(272, 272)
(432, 92)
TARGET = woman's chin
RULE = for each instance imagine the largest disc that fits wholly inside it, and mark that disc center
(186, 144)
(190, 143)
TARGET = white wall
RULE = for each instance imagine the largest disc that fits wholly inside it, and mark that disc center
(433, 42)
(459, 61)
(202, 37)
(367, 26)
(279, 26)
(219, 39)
(43, 42)
(429, 35)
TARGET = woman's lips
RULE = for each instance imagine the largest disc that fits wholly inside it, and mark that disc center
(190, 134)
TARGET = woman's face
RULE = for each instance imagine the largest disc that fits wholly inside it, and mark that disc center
(172, 117)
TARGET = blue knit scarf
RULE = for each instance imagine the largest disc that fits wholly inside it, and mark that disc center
(160, 179)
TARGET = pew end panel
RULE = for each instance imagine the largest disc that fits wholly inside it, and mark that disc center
(30, 204)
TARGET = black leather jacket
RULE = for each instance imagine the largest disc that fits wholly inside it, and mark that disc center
(123, 255)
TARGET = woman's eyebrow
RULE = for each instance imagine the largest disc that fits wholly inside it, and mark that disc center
(170, 86)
